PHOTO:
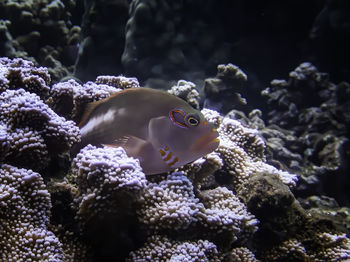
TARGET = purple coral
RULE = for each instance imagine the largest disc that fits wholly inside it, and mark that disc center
(162, 248)
(242, 151)
(200, 216)
(24, 218)
(225, 212)
(31, 131)
(170, 204)
(69, 98)
(106, 178)
(118, 81)
(187, 91)
(18, 73)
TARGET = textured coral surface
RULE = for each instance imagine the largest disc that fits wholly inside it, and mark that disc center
(235, 204)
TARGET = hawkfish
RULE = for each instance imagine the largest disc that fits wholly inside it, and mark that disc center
(159, 129)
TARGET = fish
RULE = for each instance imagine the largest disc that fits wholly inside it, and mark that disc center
(159, 129)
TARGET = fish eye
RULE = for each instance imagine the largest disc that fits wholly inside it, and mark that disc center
(192, 120)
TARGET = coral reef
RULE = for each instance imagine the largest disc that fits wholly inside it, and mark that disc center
(112, 185)
(242, 152)
(32, 131)
(242, 254)
(172, 205)
(326, 247)
(25, 220)
(107, 187)
(107, 181)
(318, 130)
(102, 39)
(191, 37)
(41, 31)
(326, 207)
(276, 189)
(225, 214)
(235, 204)
(225, 91)
(25, 211)
(187, 91)
(19, 73)
(161, 248)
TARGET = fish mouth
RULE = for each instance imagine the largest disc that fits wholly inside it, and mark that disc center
(207, 143)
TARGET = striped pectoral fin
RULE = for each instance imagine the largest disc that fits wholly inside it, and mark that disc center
(168, 157)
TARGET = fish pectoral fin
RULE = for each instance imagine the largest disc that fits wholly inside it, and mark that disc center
(158, 130)
(122, 141)
(131, 144)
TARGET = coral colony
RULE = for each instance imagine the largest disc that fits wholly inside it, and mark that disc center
(230, 205)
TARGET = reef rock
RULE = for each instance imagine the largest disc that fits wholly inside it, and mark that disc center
(318, 129)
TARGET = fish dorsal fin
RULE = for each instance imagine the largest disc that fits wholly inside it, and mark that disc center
(90, 107)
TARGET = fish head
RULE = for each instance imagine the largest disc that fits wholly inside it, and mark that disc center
(190, 135)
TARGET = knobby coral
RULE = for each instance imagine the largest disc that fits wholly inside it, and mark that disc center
(327, 246)
(18, 73)
(242, 152)
(107, 179)
(41, 31)
(316, 133)
(161, 248)
(213, 209)
(32, 132)
(24, 219)
(225, 90)
(172, 205)
(187, 91)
